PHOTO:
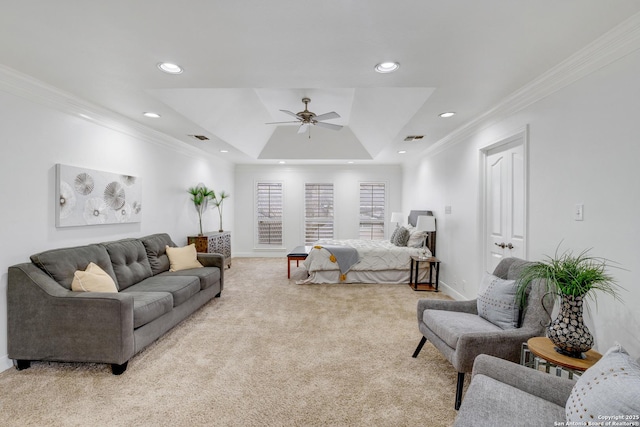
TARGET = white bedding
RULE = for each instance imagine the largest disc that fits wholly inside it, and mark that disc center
(376, 256)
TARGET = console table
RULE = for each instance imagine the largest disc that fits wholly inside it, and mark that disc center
(213, 243)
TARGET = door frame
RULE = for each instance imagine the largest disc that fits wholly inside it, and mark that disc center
(518, 137)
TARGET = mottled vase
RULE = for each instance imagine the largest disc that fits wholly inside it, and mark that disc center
(568, 332)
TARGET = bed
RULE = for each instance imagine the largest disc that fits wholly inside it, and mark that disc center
(380, 261)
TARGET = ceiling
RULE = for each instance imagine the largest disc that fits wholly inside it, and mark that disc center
(246, 60)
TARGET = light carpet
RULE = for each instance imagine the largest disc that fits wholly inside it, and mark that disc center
(267, 353)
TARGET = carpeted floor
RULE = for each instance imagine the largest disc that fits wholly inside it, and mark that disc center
(267, 353)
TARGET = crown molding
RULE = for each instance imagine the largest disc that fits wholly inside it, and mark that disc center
(610, 47)
(34, 90)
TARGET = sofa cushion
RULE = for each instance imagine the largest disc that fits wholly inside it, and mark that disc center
(489, 402)
(148, 306)
(497, 301)
(61, 264)
(155, 245)
(610, 387)
(208, 275)
(181, 288)
(450, 325)
(129, 260)
(93, 279)
(184, 258)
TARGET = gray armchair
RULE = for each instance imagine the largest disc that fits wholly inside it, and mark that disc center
(460, 334)
(504, 393)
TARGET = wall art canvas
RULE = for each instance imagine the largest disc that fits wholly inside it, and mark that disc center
(91, 197)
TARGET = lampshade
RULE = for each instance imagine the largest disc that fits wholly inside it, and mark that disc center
(426, 223)
(396, 217)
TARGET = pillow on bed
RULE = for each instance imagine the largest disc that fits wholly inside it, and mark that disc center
(416, 238)
(401, 237)
(394, 234)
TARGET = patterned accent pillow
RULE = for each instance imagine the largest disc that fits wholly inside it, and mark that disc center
(497, 301)
(401, 237)
(610, 387)
(394, 234)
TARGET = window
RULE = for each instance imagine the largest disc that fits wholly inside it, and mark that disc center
(372, 203)
(269, 213)
(318, 212)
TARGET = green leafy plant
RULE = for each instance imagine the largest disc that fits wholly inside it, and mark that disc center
(217, 200)
(200, 196)
(574, 275)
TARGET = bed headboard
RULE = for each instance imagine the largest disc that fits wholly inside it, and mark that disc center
(431, 236)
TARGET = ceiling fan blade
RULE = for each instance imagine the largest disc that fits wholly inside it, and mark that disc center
(290, 113)
(327, 116)
(278, 123)
(329, 126)
(303, 128)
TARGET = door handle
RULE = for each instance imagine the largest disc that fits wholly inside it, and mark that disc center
(510, 246)
(501, 245)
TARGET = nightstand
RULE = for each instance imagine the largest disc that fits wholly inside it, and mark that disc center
(431, 285)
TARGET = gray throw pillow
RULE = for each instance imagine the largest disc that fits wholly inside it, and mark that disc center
(611, 387)
(393, 235)
(497, 301)
(401, 237)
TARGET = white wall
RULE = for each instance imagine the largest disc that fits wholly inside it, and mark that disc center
(33, 138)
(583, 148)
(346, 180)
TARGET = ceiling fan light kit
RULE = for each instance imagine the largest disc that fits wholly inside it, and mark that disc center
(308, 118)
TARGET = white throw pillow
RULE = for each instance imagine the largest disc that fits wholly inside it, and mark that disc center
(497, 301)
(93, 279)
(611, 387)
(183, 258)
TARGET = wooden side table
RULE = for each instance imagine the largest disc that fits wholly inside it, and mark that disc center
(543, 348)
(431, 285)
(214, 243)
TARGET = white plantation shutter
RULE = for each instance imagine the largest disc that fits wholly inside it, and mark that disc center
(372, 203)
(269, 213)
(318, 212)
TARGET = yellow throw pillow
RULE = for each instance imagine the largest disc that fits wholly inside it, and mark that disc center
(93, 279)
(183, 258)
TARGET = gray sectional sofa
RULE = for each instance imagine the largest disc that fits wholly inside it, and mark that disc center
(49, 321)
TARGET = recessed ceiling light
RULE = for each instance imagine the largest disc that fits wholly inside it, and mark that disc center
(282, 162)
(150, 114)
(224, 151)
(170, 68)
(350, 162)
(387, 67)
(447, 114)
(402, 152)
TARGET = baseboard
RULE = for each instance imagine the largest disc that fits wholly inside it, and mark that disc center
(5, 363)
(451, 292)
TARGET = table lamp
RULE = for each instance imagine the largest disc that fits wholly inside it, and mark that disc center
(397, 218)
(426, 224)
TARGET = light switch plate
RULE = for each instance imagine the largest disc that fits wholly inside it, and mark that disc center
(579, 212)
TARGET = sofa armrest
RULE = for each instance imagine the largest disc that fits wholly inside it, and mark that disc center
(49, 322)
(470, 306)
(213, 260)
(537, 383)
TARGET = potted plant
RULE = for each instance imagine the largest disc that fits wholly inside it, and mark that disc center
(217, 202)
(200, 196)
(571, 279)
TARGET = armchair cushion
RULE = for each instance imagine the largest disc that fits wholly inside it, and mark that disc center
(451, 325)
(497, 301)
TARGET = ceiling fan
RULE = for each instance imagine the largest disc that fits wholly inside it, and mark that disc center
(307, 118)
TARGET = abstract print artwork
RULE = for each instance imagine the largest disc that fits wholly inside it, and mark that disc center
(92, 197)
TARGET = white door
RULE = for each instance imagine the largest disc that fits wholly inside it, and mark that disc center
(505, 204)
